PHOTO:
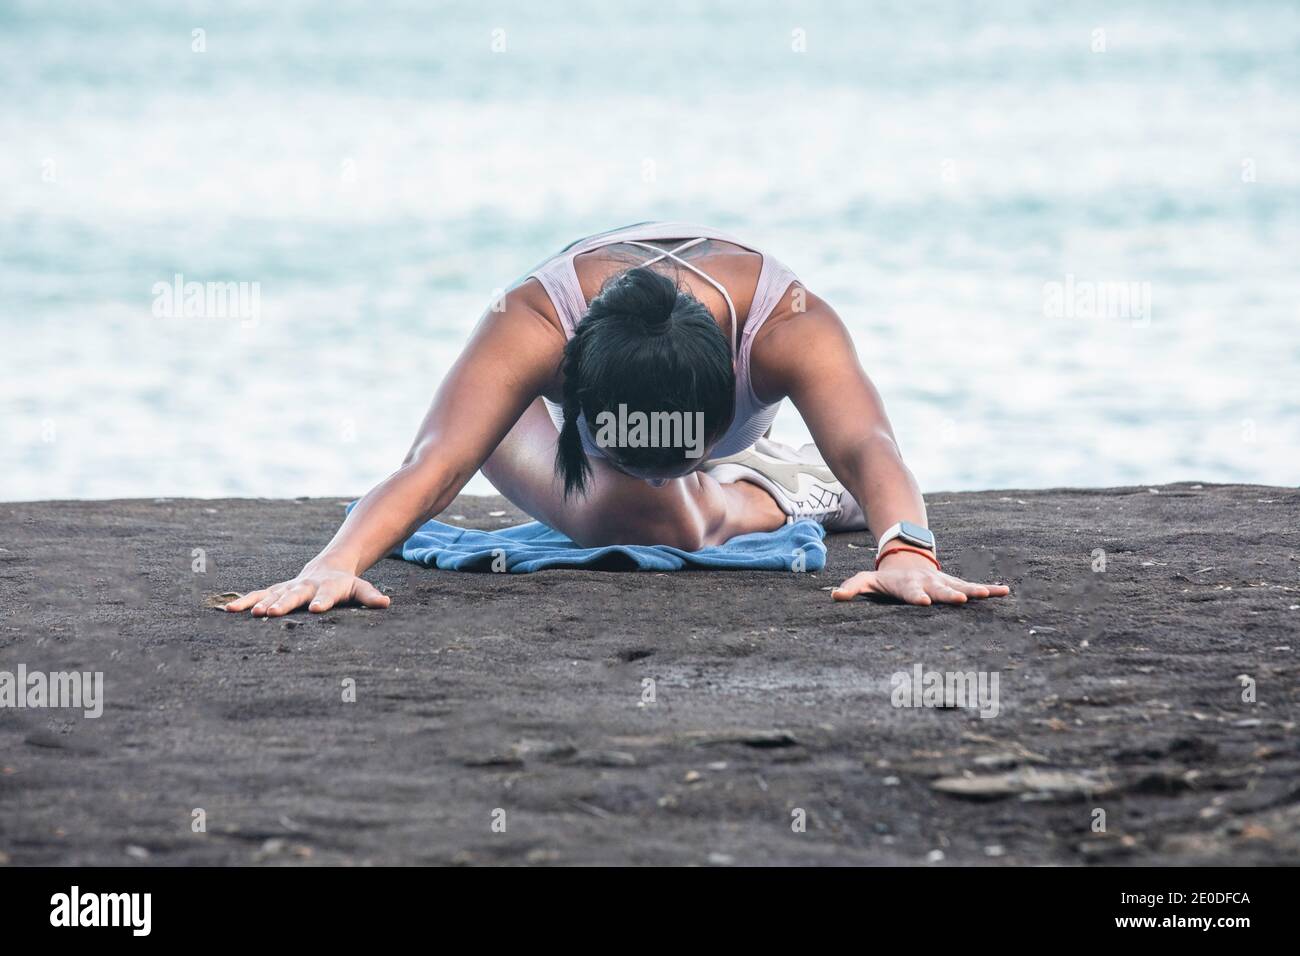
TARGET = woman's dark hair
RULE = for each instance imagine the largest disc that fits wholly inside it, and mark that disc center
(646, 344)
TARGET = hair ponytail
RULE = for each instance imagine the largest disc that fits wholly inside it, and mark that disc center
(570, 457)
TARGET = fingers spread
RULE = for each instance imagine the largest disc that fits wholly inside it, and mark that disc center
(291, 598)
(369, 595)
(976, 590)
(269, 597)
(917, 588)
(965, 587)
(941, 592)
(318, 593)
(245, 602)
(327, 595)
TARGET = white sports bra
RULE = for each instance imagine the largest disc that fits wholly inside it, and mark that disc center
(560, 280)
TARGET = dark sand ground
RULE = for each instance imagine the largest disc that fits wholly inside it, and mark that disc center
(1120, 691)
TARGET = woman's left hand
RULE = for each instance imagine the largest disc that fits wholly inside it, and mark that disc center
(915, 580)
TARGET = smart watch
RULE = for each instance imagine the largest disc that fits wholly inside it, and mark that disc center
(909, 533)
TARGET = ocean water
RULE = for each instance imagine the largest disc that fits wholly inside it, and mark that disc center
(959, 179)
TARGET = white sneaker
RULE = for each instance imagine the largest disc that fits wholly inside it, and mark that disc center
(799, 481)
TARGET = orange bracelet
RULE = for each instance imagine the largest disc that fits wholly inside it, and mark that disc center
(902, 547)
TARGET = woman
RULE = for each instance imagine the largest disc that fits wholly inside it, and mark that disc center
(681, 326)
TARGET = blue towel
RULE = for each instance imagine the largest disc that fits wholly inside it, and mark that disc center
(535, 547)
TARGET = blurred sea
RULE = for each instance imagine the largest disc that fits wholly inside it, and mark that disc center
(378, 170)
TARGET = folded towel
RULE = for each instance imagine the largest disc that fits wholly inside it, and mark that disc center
(535, 547)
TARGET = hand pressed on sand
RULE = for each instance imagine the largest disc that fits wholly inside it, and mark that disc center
(323, 587)
(915, 580)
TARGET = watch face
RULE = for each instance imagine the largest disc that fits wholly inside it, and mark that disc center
(916, 534)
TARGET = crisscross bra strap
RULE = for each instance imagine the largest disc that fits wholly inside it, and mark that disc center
(673, 255)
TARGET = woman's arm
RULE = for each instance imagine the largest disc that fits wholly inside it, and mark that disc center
(809, 356)
(506, 365)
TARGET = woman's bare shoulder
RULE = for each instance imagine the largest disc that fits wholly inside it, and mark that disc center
(531, 297)
(802, 325)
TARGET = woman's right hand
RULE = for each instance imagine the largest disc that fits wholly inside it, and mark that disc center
(320, 588)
